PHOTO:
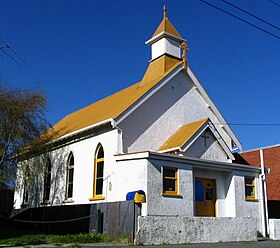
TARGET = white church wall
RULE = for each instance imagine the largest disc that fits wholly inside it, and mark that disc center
(130, 175)
(175, 104)
(165, 205)
(84, 152)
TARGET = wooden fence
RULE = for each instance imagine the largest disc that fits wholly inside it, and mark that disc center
(113, 219)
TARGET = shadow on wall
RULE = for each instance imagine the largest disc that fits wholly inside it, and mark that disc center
(43, 179)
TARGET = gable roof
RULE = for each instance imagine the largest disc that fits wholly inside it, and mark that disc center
(183, 135)
(116, 104)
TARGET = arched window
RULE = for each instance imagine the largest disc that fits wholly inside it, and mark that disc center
(47, 182)
(26, 187)
(98, 173)
(70, 176)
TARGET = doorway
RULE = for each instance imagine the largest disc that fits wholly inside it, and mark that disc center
(205, 196)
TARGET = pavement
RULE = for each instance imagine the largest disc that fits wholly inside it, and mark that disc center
(260, 244)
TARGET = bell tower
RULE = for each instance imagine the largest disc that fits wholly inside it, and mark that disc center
(166, 40)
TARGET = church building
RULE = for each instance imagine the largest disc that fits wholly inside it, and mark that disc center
(163, 136)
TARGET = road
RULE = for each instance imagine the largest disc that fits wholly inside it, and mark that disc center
(260, 244)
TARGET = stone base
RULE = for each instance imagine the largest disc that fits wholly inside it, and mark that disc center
(154, 230)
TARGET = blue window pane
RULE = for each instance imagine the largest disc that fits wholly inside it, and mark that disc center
(199, 191)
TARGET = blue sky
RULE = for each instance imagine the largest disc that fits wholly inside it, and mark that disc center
(81, 51)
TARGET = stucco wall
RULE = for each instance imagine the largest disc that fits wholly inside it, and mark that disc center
(163, 205)
(274, 229)
(246, 208)
(212, 150)
(154, 230)
(175, 104)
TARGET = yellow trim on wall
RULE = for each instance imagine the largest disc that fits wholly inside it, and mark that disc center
(253, 185)
(173, 193)
(96, 161)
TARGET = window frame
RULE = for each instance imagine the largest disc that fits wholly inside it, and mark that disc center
(98, 160)
(174, 193)
(68, 183)
(25, 195)
(253, 185)
(47, 182)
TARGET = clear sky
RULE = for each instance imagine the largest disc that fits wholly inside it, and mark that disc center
(81, 51)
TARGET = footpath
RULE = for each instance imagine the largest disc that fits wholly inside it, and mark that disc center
(260, 244)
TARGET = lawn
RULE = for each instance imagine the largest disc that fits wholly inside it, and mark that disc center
(17, 237)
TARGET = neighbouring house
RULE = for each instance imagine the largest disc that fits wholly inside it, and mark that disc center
(267, 158)
(163, 136)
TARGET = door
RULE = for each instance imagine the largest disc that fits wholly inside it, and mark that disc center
(205, 196)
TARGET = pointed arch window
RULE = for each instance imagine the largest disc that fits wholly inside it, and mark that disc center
(47, 182)
(70, 176)
(26, 179)
(98, 174)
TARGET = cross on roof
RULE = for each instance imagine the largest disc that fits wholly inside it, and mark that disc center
(204, 135)
(185, 49)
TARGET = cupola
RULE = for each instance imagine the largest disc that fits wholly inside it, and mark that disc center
(166, 40)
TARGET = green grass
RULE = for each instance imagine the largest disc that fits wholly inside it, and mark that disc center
(75, 239)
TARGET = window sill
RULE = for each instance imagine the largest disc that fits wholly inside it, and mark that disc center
(69, 200)
(97, 197)
(251, 199)
(172, 195)
(46, 203)
(24, 205)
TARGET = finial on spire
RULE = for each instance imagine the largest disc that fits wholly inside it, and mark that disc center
(164, 11)
(185, 49)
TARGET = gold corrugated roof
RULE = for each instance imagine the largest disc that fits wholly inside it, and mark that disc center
(166, 26)
(183, 135)
(114, 105)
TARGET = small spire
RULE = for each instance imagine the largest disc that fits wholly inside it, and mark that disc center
(164, 12)
(185, 49)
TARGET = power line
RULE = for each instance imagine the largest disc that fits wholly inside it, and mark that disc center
(274, 3)
(240, 19)
(13, 51)
(249, 124)
(11, 57)
(248, 13)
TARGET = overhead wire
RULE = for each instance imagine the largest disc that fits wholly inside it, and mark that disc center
(13, 51)
(11, 58)
(248, 13)
(242, 20)
(249, 124)
(274, 3)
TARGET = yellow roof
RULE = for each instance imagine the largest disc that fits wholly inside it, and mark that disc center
(166, 26)
(114, 105)
(183, 135)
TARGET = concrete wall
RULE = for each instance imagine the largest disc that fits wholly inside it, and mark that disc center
(164, 205)
(175, 104)
(246, 208)
(274, 229)
(154, 230)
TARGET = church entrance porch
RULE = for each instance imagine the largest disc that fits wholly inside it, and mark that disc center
(205, 197)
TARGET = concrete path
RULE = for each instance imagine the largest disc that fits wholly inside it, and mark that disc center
(261, 244)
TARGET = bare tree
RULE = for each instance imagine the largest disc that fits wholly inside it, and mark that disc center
(23, 129)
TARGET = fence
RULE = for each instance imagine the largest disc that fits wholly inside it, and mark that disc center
(6, 203)
(113, 219)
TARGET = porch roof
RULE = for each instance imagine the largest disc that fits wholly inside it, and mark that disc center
(195, 162)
